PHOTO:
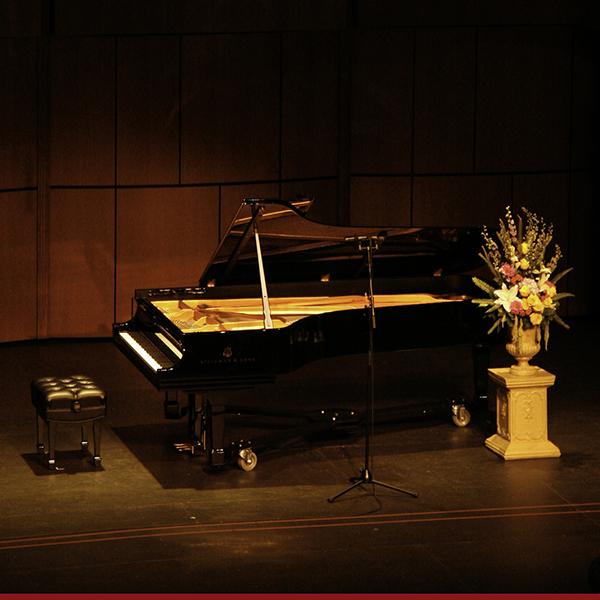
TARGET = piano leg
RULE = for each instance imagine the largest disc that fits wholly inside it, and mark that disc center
(215, 424)
(206, 430)
(172, 407)
(196, 425)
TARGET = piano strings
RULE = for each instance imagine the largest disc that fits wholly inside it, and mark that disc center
(246, 313)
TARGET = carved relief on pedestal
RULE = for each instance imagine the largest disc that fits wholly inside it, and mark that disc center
(530, 414)
(502, 414)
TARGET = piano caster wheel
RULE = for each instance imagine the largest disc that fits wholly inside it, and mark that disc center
(247, 459)
(461, 417)
(97, 461)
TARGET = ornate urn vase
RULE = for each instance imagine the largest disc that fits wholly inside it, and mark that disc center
(524, 344)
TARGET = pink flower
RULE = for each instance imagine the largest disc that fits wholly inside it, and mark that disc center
(516, 308)
(508, 271)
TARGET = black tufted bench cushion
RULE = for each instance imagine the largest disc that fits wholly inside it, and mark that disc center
(72, 399)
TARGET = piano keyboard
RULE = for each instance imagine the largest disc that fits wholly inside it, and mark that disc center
(149, 350)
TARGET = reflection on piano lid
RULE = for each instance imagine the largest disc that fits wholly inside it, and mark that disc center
(295, 248)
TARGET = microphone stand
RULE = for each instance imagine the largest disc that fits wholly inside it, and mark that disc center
(368, 244)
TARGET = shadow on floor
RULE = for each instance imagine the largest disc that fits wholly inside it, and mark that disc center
(69, 462)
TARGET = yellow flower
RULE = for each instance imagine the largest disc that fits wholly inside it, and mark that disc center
(551, 290)
(525, 303)
(535, 318)
(548, 302)
(536, 303)
(524, 291)
(524, 248)
(524, 263)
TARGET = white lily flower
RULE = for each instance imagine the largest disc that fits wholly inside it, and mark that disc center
(506, 296)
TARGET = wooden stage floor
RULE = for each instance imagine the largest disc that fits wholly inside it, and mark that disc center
(151, 520)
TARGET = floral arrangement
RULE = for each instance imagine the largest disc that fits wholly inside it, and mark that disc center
(524, 293)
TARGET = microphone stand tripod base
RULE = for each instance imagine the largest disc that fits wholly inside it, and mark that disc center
(366, 477)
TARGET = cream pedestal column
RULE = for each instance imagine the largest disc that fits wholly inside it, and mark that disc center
(521, 413)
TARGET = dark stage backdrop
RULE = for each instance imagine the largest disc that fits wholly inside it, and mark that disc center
(131, 129)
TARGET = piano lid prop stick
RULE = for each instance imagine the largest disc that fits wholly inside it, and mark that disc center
(263, 282)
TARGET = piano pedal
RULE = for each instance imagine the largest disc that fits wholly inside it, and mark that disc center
(193, 448)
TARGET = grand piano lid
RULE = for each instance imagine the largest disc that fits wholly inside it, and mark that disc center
(295, 248)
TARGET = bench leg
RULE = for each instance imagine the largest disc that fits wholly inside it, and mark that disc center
(51, 458)
(84, 442)
(97, 433)
(39, 424)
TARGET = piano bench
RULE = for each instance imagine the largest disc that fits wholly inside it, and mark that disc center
(71, 399)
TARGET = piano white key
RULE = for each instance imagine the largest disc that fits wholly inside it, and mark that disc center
(167, 342)
(143, 354)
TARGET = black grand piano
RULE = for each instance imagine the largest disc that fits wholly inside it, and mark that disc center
(282, 290)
